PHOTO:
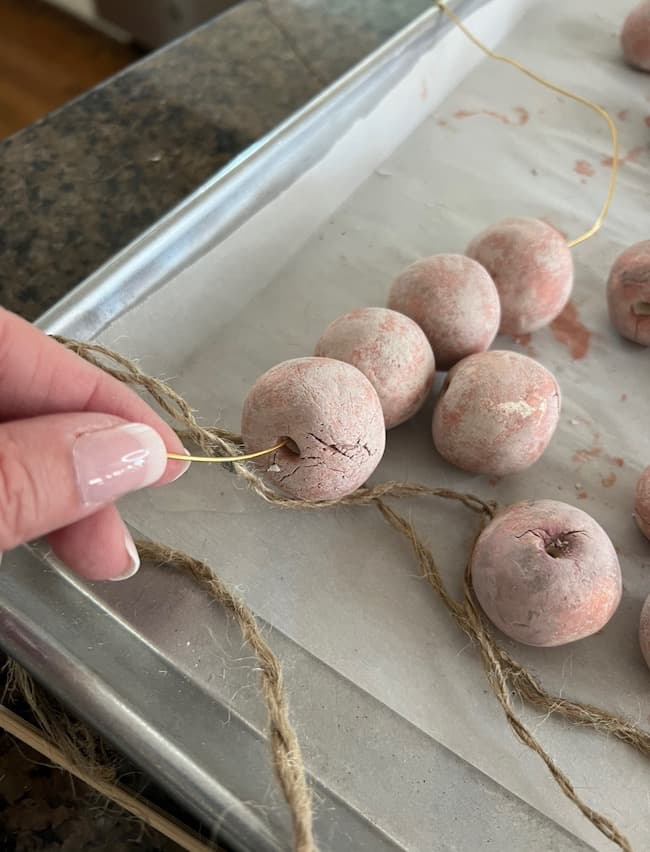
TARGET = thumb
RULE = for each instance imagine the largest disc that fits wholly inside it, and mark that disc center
(57, 469)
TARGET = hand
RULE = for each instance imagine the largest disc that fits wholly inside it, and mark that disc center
(73, 440)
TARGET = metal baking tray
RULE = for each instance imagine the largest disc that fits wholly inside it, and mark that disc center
(163, 674)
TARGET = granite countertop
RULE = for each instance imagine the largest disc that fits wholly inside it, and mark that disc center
(83, 182)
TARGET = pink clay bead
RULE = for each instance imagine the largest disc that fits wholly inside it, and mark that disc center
(628, 293)
(496, 413)
(454, 300)
(642, 503)
(391, 351)
(532, 268)
(635, 38)
(644, 631)
(545, 573)
(333, 418)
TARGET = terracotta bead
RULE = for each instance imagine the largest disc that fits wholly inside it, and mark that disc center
(391, 351)
(496, 413)
(635, 38)
(642, 503)
(454, 300)
(628, 293)
(545, 573)
(333, 418)
(532, 268)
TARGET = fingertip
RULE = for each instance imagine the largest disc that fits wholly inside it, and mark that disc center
(98, 547)
(133, 558)
(175, 467)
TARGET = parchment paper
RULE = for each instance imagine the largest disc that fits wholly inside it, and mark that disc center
(342, 584)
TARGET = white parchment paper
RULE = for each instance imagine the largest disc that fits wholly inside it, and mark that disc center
(441, 158)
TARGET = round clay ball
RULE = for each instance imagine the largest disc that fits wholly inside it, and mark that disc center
(331, 415)
(391, 351)
(496, 413)
(545, 573)
(532, 268)
(642, 503)
(454, 300)
(635, 37)
(628, 293)
(644, 631)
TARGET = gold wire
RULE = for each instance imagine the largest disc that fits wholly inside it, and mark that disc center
(520, 67)
(224, 459)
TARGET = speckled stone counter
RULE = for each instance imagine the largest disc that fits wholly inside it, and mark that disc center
(82, 183)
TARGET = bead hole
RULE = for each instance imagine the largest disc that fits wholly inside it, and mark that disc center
(290, 445)
(557, 548)
(641, 309)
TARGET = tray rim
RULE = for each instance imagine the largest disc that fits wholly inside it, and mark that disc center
(183, 233)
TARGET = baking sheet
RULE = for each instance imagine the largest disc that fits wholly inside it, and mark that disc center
(341, 584)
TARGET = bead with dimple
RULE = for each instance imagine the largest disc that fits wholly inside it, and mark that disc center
(545, 573)
(331, 415)
(628, 293)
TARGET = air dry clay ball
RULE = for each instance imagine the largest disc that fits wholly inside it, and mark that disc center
(532, 268)
(391, 351)
(642, 503)
(496, 413)
(635, 37)
(546, 573)
(644, 631)
(331, 415)
(628, 293)
(454, 300)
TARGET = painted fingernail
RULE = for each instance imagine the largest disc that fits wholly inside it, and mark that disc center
(134, 559)
(183, 467)
(113, 462)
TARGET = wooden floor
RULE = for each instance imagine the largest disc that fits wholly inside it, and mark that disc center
(47, 58)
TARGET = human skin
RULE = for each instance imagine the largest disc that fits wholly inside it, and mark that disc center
(72, 441)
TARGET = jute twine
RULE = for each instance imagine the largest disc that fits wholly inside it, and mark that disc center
(506, 677)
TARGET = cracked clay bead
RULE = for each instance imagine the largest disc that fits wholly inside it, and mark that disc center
(333, 418)
(642, 503)
(644, 631)
(545, 573)
(628, 293)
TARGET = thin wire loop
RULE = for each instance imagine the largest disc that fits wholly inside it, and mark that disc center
(553, 87)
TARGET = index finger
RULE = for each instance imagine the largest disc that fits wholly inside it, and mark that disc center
(40, 376)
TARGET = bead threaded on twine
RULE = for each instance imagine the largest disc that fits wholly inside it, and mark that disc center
(505, 676)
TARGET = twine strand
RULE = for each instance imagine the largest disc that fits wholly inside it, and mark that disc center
(505, 675)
